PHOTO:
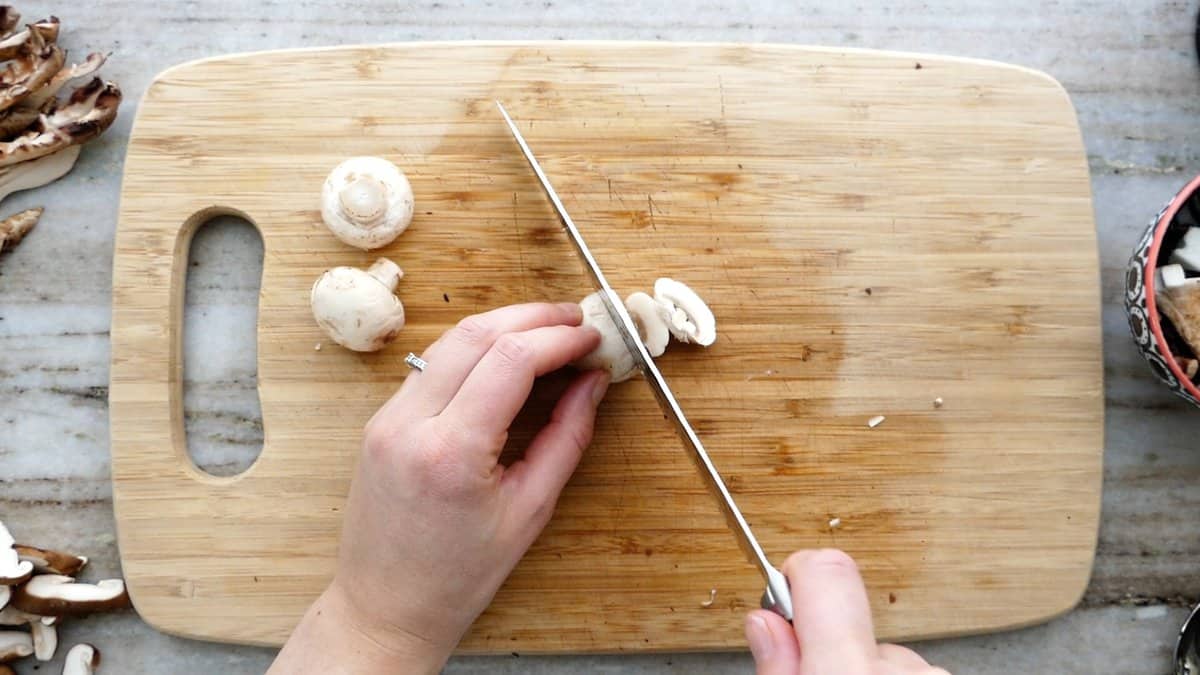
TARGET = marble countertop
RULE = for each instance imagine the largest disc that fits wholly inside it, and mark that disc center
(1130, 68)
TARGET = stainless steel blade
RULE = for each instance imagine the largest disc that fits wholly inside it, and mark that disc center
(777, 594)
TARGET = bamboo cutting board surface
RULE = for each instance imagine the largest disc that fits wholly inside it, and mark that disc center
(873, 231)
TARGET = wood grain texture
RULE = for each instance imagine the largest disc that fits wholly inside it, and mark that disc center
(871, 235)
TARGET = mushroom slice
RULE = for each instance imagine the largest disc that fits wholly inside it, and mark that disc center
(15, 645)
(12, 44)
(45, 640)
(40, 97)
(612, 354)
(46, 561)
(15, 227)
(9, 18)
(359, 309)
(13, 570)
(652, 326)
(89, 111)
(367, 202)
(83, 659)
(57, 595)
(690, 319)
(37, 172)
(5, 594)
(36, 62)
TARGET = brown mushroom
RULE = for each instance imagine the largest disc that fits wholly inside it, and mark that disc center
(9, 18)
(5, 670)
(81, 660)
(89, 111)
(12, 45)
(46, 561)
(29, 70)
(58, 595)
(18, 118)
(15, 645)
(12, 230)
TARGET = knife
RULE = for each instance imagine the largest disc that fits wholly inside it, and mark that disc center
(776, 597)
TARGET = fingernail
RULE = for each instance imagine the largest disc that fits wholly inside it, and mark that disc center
(599, 388)
(758, 634)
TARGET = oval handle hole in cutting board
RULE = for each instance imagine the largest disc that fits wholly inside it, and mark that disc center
(222, 413)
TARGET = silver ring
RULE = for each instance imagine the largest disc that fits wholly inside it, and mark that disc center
(415, 362)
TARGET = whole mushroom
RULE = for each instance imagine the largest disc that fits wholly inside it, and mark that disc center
(367, 202)
(358, 309)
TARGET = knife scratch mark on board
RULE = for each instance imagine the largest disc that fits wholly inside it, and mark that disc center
(520, 249)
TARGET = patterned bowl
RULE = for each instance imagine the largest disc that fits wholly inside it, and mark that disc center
(1163, 234)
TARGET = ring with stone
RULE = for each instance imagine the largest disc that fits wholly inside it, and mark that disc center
(415, 362)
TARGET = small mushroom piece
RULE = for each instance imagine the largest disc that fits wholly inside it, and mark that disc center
(367, 202)
(45, 640)
(689, 318)
(359, 310)
(46, 561)
(13, 570)
(82, 659)
(57, 595)
(15, 645)
(650, 320)
(14, 228)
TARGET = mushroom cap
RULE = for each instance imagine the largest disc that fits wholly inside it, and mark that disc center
(357, 310)
(366, 202)
(57, 595)
(82, 659)
(46, 561)
(650, 317)
(15, 645)
(612, 354)
(13, 570)
(689, 318)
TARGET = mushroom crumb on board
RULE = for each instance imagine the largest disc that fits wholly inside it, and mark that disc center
(835, 523)
(938, 402)
(712, 597)
(875, 421)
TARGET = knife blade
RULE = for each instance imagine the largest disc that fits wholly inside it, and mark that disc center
(777, 596)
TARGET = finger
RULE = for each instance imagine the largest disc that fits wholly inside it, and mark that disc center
(832, 613)
(494, 392)
(452, 357)
(772, 644)
(539, 477)
(902, 657)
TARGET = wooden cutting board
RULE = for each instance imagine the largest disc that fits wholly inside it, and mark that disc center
(873, 230)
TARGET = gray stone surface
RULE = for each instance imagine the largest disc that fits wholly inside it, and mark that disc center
(1130, 68)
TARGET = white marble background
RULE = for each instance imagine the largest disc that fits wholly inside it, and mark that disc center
(1130, 68)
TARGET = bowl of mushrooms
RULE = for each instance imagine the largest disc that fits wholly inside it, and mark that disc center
(1162, 293)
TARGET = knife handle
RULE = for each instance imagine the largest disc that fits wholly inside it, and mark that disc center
(779, 600)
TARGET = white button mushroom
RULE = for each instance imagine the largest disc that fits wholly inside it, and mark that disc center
(358, 309)
(612, 354)
(689, 318)
(366, 202)
(650, 320)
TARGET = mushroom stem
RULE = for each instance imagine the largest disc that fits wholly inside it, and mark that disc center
(387, 272)
(365, 200)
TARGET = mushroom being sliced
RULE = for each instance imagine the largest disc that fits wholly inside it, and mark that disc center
(30, 69)
(612, 354)
(13, 570)
(89, 111)
(46, 561)
(15, 645)
(81, 660)
(57, 595)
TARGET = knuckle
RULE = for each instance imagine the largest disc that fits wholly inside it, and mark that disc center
(512, 349)
(474, 330)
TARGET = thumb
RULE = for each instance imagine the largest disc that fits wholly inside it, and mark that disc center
(772, 643)
(552, 456)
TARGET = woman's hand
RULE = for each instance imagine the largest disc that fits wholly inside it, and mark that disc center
(831, 631)
(434, 524)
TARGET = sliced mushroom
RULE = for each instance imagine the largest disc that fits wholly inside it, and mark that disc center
(359, 310)
(83, 659)
(57, 595)
(648, 316)
(46, 561)
(13, 570)
(367, 202)
(37, 172)
(89, 111)
(13, 44)
(40, 97)
(9, 18)
(45, 640)
(689, 318)
(15, 227)
(15, 645)
(5, 594)
(36, 62)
